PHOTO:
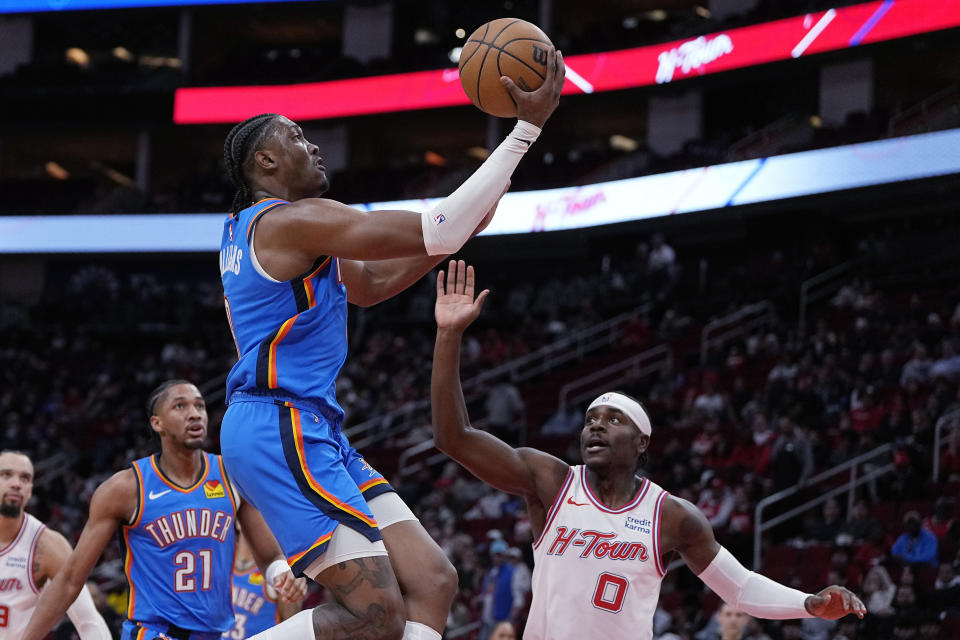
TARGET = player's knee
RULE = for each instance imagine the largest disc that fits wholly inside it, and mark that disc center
(436, 579)
(445, 576)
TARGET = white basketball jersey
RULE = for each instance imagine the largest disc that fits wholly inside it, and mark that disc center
(18, 591)
(597, 571)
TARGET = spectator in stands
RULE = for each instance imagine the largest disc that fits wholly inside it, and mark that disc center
(942, 522)
(497, 590)
(858, 526)
(662, 264)
(905, 603)
(916, 545)
(950, 459)
(865, 414)
(710, 403)
(917, 368)
(727, 624)
(946, 588)
(716, 503)
(519, 584)
(874, 549)
(826, 528)
(948, 364)
(565, 421)
(878, 591)
(506, 411)
(792, 456)
(503, 631)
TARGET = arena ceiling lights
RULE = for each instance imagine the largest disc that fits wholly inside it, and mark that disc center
(805, 35)
(701, 189)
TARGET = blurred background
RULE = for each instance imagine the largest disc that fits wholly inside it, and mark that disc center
(756, 235)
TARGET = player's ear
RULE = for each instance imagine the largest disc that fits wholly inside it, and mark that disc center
(264, 159)
(155, 424)
(643, 441)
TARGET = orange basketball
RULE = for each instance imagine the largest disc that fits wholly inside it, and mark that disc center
(504, 47)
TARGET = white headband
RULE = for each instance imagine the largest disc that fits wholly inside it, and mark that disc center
(630, 408)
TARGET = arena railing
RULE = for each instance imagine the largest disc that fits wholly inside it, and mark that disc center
(874, 464)
(572, 346)
(950, 419)
(939, 111)
(50, 468)
(820, 286)
(657, 359)
(717, 333)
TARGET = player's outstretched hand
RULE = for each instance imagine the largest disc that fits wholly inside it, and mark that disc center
(835, 602)
(536, 106)
(291, 589)
(456, 307)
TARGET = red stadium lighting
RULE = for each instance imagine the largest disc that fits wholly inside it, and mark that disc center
(808, 34)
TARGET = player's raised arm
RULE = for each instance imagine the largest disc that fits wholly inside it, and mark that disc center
(686, 530)
(267, 157)
(113, 503)
(516, 471)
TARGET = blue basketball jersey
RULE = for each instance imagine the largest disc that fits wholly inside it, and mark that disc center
(290, 336)
(254, 608)
(179, 551)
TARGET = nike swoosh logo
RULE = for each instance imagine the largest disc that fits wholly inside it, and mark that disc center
(577, 504)
(154, 496)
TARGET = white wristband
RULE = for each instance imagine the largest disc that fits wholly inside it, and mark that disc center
(449, 225)
(751, 592)
(274, 569)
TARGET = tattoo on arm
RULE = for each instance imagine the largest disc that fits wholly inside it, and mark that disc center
(39, 578)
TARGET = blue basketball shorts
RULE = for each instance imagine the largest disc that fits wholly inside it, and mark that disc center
(153, 631)
(300, 472)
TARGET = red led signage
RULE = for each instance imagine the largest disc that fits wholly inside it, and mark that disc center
(657, 64)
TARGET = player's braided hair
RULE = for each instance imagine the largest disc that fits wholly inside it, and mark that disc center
(244, 139)
(157, 395)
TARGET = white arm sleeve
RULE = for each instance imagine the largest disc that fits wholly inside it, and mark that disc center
(448, 226)
(751, 592)
(86, 619)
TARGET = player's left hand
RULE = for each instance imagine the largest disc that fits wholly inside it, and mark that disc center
(834, 602)
(456, 307)
(290, 589)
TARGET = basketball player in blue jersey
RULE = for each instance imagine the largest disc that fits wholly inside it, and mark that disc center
(256, 605)
(290, 262)
(176, 513)
(604, 534)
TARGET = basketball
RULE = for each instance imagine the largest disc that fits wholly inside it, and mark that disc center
(504, 47)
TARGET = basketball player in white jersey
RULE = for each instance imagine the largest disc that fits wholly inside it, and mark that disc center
(603, 533)
(30, 556)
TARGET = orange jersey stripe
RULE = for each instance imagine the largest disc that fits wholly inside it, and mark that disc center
(272, 366)
(254, 219)
(308, 285)
(140, 504)
(298, 438)
(321, 540)
(127, 562)
(203, 476)
(372, 483)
